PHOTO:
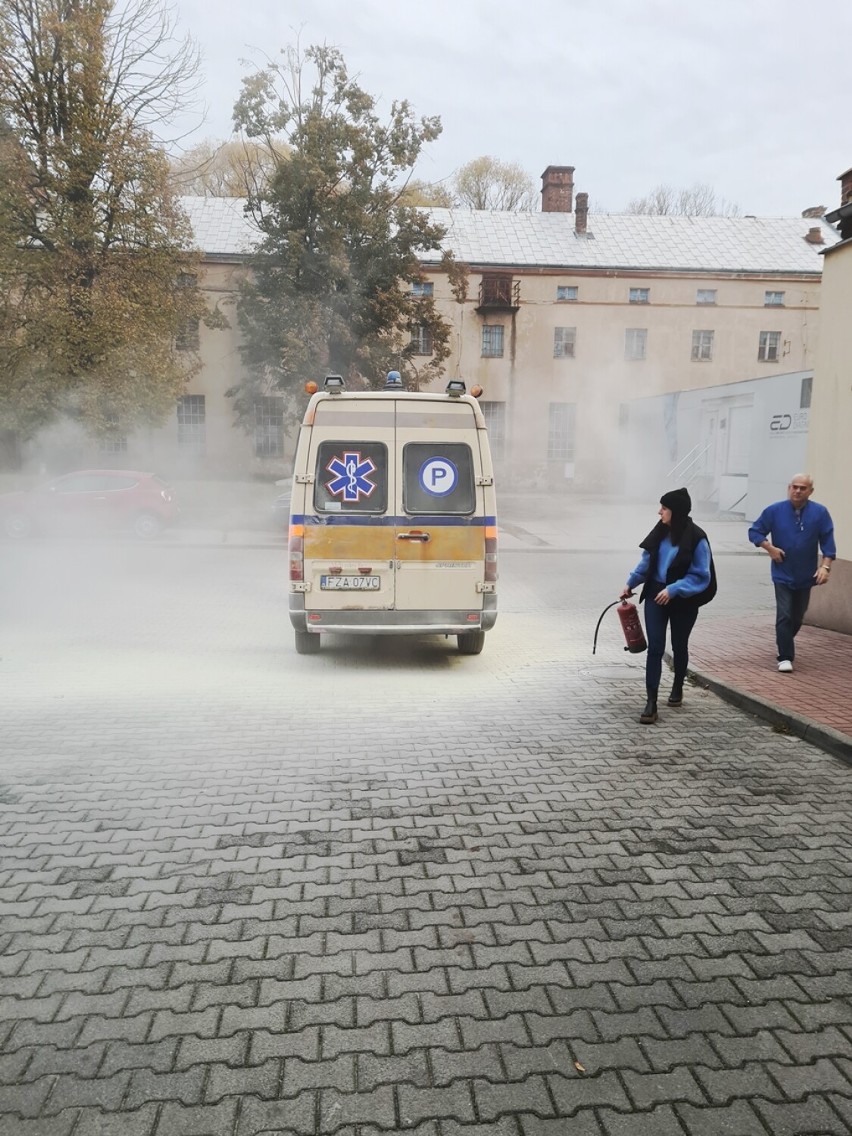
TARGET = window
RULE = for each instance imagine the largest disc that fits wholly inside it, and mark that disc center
(564, 342)
(773, 299)
(560, 431)
(191, 423)
(702, 346)
(705, 296)
(437, 477)
(187, 334)
(492, 341)
(269, 428)
(495, 421)
(805, 392)
(767, 351)
(422, 288)
(640, 295)
(635, 342)
(566, 291)
(187, 337)
(113, 444)
(351, 477)
(421, 340)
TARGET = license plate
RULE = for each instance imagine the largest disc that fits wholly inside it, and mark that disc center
(350, 583)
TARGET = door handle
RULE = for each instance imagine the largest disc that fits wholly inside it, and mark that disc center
(416, 534)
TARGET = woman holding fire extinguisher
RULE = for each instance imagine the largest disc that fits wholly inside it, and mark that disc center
(679, 576)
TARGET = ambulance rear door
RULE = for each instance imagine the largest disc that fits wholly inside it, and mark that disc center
(349, 536)
(440, 522)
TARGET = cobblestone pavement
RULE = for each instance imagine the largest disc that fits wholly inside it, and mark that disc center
(389, 889)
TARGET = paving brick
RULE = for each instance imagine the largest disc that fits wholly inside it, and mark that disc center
(198, 1120)
(106, 1093)
(737, 1118)
(376, 1106)
(583, 1124)
(496, 1100)
(448, 1066)
(294, 1115)
(94, 1122)
(261, 1081)
(146, 1085)
(373, 1070)
(662, 1121)
(812, 1115)
(454, 1101)
(573, 1093)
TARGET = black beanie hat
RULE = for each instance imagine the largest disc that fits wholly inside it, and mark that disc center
(678, 500)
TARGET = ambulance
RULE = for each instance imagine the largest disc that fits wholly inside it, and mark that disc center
(393, 526)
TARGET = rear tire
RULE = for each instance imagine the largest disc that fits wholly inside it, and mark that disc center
(471, 642)
(307, 643)
(146, 526)
(17, 526)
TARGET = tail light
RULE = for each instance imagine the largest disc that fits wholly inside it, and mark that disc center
(296, 550)
(491, 554)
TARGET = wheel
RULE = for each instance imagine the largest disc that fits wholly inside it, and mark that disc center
(307, 643)
(147, 525)
(471, 642)
(17, 526)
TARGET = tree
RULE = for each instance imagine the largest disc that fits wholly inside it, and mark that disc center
(488, 183)
(427, 195)
(93, 247)
(332, 287)
(236, 168)
(700, 201)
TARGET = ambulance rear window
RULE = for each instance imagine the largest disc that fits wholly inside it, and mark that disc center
(351, 477)
(438, 478)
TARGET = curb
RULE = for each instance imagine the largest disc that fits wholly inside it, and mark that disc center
(824, 737)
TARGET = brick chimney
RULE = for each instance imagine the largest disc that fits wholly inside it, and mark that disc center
(557, 189)
(581, 212)
(845, 187)
(814, 236)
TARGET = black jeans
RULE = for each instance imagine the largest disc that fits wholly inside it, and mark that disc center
(790, 607)
(681, 617)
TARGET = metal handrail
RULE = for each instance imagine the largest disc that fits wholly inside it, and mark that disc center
(689, 461)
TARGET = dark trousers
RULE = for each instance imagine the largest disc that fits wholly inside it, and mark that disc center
(790, 607)
(681, 618)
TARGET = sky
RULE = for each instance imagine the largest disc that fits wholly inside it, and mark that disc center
(746, 96)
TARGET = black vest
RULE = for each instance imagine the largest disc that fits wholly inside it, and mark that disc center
(691, 536)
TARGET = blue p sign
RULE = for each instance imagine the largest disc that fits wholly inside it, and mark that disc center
(438, 476)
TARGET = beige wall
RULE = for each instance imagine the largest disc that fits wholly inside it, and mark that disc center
(829, 451)
(830, 433)
(599, 378)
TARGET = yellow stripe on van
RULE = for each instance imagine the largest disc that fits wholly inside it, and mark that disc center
(348, 542)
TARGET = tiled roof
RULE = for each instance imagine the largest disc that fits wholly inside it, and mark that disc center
(220, 225)
(548, 240)
(634, 241)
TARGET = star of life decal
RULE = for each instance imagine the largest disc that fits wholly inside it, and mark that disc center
(351, 477)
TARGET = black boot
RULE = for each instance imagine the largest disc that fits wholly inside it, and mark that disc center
(676, 696)
(649, 714)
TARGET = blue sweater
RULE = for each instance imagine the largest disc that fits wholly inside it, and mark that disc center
(801, 539)
(696, 579)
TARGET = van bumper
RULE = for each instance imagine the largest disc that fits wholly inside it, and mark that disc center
(382, 621)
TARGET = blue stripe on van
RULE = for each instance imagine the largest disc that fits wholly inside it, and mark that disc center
(389, 521)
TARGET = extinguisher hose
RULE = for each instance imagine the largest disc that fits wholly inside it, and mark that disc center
(603, 613)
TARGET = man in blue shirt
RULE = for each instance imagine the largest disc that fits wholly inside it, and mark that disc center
(795, 533)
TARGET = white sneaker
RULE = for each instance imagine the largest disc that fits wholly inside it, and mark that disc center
(785, 666)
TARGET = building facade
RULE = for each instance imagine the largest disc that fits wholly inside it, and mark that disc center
(569, 317)
(829, 454)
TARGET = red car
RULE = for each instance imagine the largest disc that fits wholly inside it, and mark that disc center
(91, 500)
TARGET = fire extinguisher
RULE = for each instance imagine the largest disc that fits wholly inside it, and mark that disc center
(634, 636)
